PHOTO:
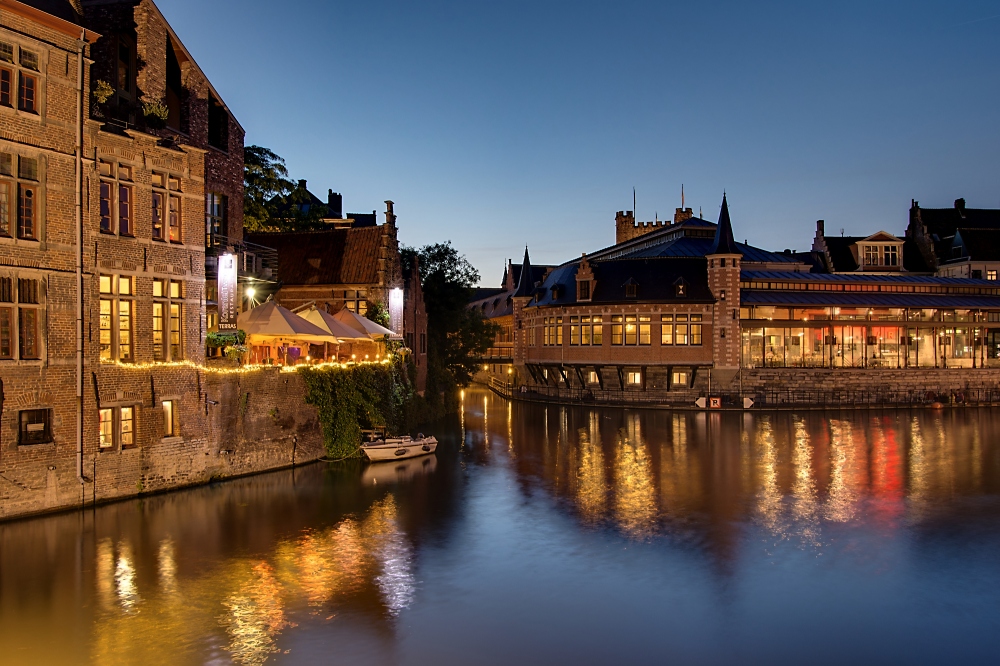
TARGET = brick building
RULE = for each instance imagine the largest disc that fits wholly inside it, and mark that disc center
(106, 211)
(674, 311)
(352, 265)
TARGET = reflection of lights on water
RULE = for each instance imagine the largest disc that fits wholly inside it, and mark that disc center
(254, 616)
(486, 423)
(768, 506)
(635, 497)
(843, 494)
(167, 566)
(128, 594)
(591, 487)
(393, 555)
(804, 487)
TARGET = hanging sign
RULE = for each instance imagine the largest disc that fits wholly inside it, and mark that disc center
(229, 309)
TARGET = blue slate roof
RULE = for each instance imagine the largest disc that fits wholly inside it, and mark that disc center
(699, 247)
(850, 277)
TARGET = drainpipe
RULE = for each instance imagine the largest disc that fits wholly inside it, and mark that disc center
(81, 45)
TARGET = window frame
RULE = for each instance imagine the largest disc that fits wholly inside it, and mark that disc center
(46, 430)
(117, 213)
(109, 324)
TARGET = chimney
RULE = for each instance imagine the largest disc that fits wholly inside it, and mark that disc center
(390, 218)
(302, 184)
(335, 202)
(960, 206)
(820, 228)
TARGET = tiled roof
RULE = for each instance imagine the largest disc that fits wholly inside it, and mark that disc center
(60, 8)
(943, 222)
(337, 256)
(843, 259)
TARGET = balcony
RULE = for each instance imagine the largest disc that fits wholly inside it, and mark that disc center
(254, 262)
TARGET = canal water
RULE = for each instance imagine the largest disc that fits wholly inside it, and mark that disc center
(546, 535)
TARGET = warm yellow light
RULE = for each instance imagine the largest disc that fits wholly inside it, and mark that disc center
(250, 292)
(354, 355)
(510, 371)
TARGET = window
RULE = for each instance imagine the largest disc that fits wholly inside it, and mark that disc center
(6, 194)
(680, 330)
(891, 255)
(631, 290)
(696, 329)
(680, 378)
(574, 331)
(168, 320)
(722, 294)
(633, 378)
(216, 218)
(666, 329)
(597, 335)
(107, 428)
(27, 93)
(117, 427)
(158, 214)
(409, 340)
(355, 300)
(116, 310)
(644, 332)
(631, 330)
(117, 198)
(592, 377)
(6, 76)
(871, 255)
(680, 289)
(617, 336)
(423, 343)
(20, 319)
(991, 275)
(583, 290)
(168, 418)
(126, 427)
(35, 426)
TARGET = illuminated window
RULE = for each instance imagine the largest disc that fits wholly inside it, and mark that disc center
(125, 330)
(598, 332)
(168, 418)
(126, 427)
(617, 336)
(991, 275)
(644, 330)
(680, 378)
(107, 428)
(666, 329)
(681, 330)
(696, 329)
(633, 378)
(168, 316)
(592, 377)
(158, 215)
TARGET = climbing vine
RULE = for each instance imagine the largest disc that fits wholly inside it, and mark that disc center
(358, 397)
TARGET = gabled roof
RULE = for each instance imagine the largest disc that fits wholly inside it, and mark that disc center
(881, 237)
(334, 256)
(844, 261)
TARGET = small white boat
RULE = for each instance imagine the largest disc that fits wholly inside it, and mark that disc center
(399, 448)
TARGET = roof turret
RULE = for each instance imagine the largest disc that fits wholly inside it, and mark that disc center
(724, 242)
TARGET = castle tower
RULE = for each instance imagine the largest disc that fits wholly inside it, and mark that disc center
(724, 258)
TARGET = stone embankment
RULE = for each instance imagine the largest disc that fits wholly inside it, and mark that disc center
(250, 421)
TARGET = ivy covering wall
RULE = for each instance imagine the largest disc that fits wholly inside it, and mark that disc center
(352, 398)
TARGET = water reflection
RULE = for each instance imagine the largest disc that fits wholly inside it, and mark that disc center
(384, 563)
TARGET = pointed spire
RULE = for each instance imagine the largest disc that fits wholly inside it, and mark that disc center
(525, 286)
(724, 243)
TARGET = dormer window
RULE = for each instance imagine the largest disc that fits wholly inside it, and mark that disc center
(879, 251)
(680, 288)
(631, 288)
(583, 290)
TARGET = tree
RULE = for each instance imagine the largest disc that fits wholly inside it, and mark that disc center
(264, 178)
(457, 336)
(271, 201)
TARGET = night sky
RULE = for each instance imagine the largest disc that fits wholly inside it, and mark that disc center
(500, 124)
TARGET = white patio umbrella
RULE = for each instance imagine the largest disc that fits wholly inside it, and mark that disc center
(328, 322)
(362, 324)
(273, 321)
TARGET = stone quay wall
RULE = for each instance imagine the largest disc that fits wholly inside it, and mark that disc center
(231, 424)
(789, 387)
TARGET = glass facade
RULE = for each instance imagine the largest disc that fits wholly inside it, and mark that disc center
(780, 337)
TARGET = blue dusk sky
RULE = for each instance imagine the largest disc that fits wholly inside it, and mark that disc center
(500, 124)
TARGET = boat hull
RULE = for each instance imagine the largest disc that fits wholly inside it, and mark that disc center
(400, 450)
